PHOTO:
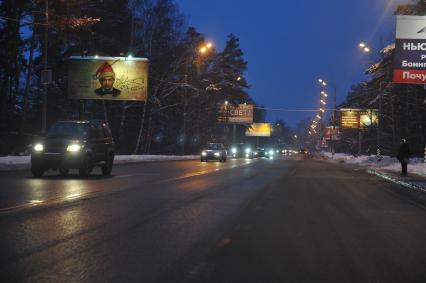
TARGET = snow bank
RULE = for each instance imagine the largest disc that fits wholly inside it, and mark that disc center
(8, 163)
(416, 165)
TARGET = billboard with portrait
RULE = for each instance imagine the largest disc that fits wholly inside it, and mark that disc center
(108, 78)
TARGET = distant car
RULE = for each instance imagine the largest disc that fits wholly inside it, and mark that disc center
(270, 152)
(242, 150)
(78, 145)
(213, 151)
(305, 153)
(259, 152)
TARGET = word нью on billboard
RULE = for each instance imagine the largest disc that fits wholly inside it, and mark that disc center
(259, 130)
(108, 78)
(410, 50)
(241, 114)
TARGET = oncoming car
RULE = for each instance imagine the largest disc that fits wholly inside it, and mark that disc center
(213, 151)
(242, 150)
(78, 145)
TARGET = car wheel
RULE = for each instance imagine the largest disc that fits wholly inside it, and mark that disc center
(64, 171)
(86, 166)
(37, 170)
(107, 167)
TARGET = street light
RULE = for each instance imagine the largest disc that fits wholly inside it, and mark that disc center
(364, 47)
(201, 50)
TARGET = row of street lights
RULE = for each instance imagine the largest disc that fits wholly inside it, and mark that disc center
(317, 121)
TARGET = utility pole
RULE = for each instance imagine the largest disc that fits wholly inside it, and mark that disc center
(184, 108)
(45, 82)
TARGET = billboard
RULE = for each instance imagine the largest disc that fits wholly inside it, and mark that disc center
(358, 118)
(332, 133)
(259, 130)
(241, 114)
(410, 50)
(108, 78)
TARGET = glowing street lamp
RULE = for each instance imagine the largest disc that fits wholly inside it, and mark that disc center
(203, 49)
(364, 47)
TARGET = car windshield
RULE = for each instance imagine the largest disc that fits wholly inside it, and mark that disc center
(213, 146)
(67, 130)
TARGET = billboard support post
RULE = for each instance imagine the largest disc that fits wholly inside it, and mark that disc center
(81, 110)
(234, 133)
(359, 141)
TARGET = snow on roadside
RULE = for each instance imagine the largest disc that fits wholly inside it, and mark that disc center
(9, 163)
(416, 165)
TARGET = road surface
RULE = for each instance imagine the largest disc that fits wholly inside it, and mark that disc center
(241, 221)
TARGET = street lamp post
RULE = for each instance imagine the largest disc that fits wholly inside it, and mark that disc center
(202, 50)
(366, 49)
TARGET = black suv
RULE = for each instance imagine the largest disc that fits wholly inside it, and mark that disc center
(78, 145)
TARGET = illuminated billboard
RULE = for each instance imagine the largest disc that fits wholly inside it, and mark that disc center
(259, 130)
(358, 118)
(108, 78)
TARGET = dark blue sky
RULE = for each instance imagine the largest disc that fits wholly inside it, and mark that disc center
(290, 44)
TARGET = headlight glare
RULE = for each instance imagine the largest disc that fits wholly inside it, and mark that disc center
(203, 153)
(234, 150)
(39, 147)
(73, 147)
(248, 150)
(216, 154)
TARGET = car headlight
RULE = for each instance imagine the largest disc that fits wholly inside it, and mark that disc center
(234, 150)
(216, 154)
(38, 147)
(271, 152)
(266, 153)
(248, 150)
(73, 147)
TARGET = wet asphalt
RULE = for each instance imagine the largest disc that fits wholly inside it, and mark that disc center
(241, 221)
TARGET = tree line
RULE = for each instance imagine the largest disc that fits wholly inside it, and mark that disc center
(185, 88)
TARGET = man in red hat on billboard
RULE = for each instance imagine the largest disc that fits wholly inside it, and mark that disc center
(106, 77)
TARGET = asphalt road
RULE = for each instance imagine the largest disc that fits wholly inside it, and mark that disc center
(242, 221)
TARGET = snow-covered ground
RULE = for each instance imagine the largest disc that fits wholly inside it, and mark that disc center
(8, 163)
(416, 165)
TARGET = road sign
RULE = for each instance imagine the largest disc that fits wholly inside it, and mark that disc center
(410, 50)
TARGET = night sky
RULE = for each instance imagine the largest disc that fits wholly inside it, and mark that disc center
(290, 44)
